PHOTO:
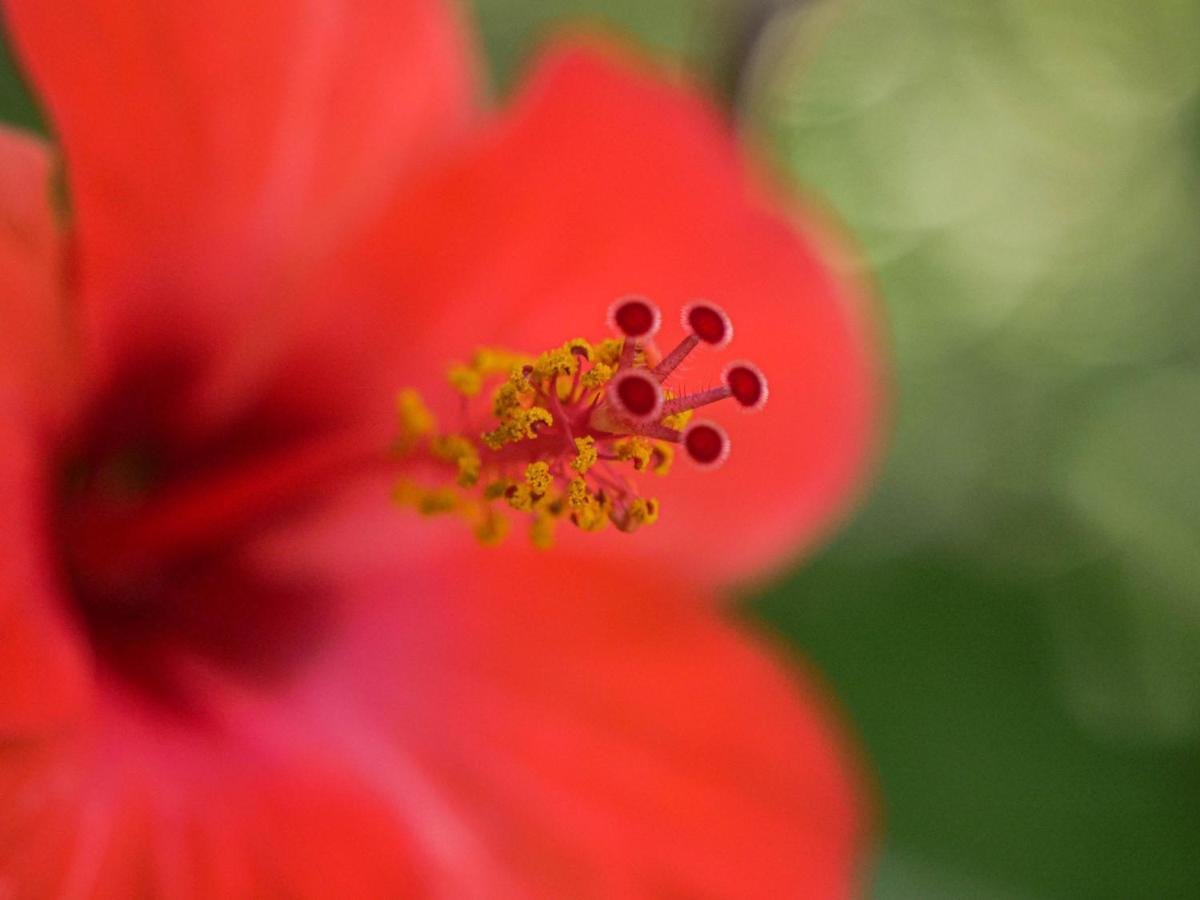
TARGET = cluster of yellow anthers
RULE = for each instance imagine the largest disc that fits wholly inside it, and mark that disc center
(567, 426)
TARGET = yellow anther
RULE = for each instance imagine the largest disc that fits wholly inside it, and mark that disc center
(608, 351)
(438, 501)
(469, 468)
(520, 378)
(541, 531)
(679, 420)
(426, 501)
(506, 433)
(599, 374)
(491, 528)
(587, 511)
(505, 400)
(555, 362)
(451, 447)
(538, 478)
(458, 450)
(577, 493)
(554, 505)
(534, 416)
(416, 421)
(661, 458)
(489, 361)
(579, 348)
(465, 380)
(521, 424)
(519, 497)
(587, 454)
(635, 449)
(554, 476)
(643, 511)
(591, 517)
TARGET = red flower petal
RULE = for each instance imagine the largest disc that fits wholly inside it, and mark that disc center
(552, 727)
(603, 181)
(480, 720)
(604, 734)
(41, 677)
(215, 149)
(33, 309)
(188, 813)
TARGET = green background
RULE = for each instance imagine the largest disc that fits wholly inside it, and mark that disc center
(1012, 620)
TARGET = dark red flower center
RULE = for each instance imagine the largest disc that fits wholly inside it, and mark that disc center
(154, 517)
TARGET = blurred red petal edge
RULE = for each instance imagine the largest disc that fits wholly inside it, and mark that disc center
(33, 329)
(215, 151)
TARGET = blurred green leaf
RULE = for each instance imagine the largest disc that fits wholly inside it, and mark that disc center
(709, 38)
(988, 787)
(1134, 476)
(17, 106)
(1013, 619)
(1024, 180)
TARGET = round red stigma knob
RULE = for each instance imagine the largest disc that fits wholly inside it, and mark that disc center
(635, 317)
(708, 323)
(746, 385)
(636, 396)
(706, 444)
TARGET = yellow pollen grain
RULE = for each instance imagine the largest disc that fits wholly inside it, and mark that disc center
(498, 437)
(661, 458)
(520, 381)
(587, 454)
(438, 501)
(458, 450)
(608, 352)
(491, 528)
(679, 420)
(555, 362)
(519, 497)
(643, 511)
(489, 361)
(586, 509)
(546, 491)
(579, 348)
(465, 380)
(506, 399)
(541, 531)
(534, 416)
(469, 470)
(426, 501)
(577, 493)
(636, 450)
(416, 421)
(598, 375)
(538, 478)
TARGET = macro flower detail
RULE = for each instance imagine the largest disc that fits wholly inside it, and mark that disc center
(565, 418)
(229, 665)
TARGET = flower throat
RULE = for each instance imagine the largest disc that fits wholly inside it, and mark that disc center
(569, 432)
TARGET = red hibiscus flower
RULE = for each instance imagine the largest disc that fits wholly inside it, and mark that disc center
(230, 665)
